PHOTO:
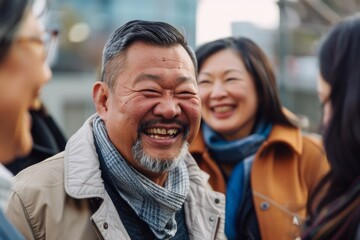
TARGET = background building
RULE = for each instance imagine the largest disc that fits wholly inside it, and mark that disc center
(291, 43)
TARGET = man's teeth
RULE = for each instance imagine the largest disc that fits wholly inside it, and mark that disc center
(222, 109)
(162, 131)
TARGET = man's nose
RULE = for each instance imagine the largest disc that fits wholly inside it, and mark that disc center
(168, 108)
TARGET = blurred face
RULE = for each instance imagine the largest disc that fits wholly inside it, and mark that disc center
(324, 90)
(228, 95)
(22, 74)
(154, 109)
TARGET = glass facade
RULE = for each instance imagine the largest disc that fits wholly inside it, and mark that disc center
(86, 24)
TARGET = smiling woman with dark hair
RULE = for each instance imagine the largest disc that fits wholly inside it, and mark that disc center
(23, 72)
(335, 207)
(250, 146)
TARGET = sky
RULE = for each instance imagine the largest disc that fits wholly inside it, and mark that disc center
(214, 17)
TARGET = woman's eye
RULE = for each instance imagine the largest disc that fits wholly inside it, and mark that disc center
(204, 81)
(231, 79)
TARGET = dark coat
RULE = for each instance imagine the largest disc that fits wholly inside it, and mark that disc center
(48, 141)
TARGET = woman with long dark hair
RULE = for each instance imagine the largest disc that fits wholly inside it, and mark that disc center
(252, 148)
(335, 207)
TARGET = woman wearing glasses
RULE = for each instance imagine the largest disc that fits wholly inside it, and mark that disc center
(23, 72)
(335, 207)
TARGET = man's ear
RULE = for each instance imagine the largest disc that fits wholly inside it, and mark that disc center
(101, 93)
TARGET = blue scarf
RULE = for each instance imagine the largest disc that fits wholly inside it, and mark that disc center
(240, 152)
(235, 151)
(154, 204)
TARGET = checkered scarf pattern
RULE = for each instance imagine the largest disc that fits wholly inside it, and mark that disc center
(154, 204)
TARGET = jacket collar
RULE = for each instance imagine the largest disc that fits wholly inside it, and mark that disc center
(198, 144)
(291, 137)
(82, 169)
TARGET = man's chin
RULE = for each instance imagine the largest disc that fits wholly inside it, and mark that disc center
(159, 162)
(158, 165)
(163, 156)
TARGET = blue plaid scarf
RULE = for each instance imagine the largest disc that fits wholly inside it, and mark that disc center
(154, 204)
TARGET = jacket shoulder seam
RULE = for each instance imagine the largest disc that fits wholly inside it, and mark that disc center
(26, 213)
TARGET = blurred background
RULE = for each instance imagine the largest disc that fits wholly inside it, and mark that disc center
(288, 30)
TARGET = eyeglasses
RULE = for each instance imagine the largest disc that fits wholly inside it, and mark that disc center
(48, 39)
(39, 7)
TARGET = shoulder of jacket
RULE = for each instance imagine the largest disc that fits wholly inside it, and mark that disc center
(47, 173)
(298, 141)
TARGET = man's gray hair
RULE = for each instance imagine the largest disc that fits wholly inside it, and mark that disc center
(154, 33)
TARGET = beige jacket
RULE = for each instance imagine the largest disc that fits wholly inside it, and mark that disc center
(55, 198)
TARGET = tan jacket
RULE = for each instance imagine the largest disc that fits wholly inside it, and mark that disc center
(51, 200)
(285, 171)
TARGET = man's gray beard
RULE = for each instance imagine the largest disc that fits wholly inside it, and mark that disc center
(157, 165)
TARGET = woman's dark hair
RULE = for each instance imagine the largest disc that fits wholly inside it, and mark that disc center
(339, 60)
(339, 63)
(11, 17)
(258, 65)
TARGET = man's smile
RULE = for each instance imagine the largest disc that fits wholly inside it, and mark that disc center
(161, 133)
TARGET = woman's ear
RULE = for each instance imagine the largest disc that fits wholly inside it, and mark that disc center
(100, 97)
